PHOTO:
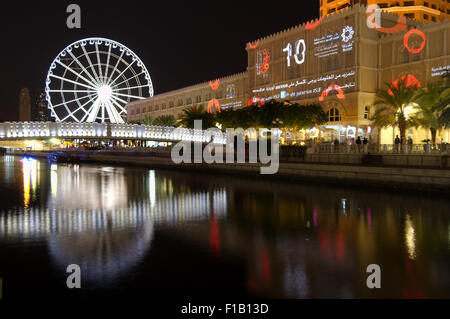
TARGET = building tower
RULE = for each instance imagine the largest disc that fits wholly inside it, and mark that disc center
(24, 105)
(420, 10)
(41, 113)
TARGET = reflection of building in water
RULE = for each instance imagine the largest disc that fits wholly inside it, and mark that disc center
(30, 169)
(9, 173)
(89, 188)
(41, 223)
(91, 221)
(105, 243)
(410, 237)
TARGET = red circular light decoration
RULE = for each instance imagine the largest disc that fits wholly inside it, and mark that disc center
(406, 40)
(332, 87)
(264, 68)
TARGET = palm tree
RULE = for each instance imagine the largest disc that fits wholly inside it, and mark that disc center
(165, 120)
(147, 120)
(392, 103)
(445, 117)
(431, 104)
(197, 112)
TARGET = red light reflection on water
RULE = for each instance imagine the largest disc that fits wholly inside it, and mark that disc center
(412, 289)
(214, 239)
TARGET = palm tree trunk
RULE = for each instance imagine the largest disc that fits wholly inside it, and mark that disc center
(402, 128)
(284, 135)
(433, 135)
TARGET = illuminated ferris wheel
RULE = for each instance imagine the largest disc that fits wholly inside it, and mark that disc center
(93, 79)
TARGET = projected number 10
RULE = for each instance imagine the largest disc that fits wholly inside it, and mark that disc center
(299, 44)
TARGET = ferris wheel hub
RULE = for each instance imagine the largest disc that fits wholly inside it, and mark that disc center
(105, 92)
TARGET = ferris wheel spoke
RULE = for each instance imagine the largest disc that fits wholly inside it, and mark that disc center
(113, 99)
(71, 101)
(119, 99)
(115, 67)
(105, 106)
(74, 82)
(127, 95)
(95, 108)
(71, 91)
(107, 62)
(80, 108)
(76, 73)
(134, 76)
(85, 70)
(98, 60)
(125, 70)
(130, 88)
(90, 62)
(114, 116)
(88, 112)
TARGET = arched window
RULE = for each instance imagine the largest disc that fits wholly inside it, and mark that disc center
(334, 115)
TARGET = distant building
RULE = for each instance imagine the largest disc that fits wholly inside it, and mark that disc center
(24, 105)
(420, 10)
(41, 112)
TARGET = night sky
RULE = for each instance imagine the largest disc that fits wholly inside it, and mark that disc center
(180, 43)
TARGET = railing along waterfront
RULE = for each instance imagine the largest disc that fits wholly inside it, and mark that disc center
(41, 130)
(328, 148)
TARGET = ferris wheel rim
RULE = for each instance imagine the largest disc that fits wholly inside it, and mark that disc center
(106, 40)
(91, 82)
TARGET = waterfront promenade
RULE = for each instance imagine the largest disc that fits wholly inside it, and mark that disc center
(422, 172)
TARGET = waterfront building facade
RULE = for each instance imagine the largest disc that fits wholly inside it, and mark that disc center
(420, 10)
(338, 61)
(215, 95)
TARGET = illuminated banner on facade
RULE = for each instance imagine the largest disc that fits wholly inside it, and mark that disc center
(263, 62)
(309, 88)
(440, 71)
(334, 43)
(231, 91)
(232, 105)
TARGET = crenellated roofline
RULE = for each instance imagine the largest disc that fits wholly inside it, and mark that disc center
(192, 87)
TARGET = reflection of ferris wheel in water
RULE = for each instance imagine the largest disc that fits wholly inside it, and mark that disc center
(93, 79)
